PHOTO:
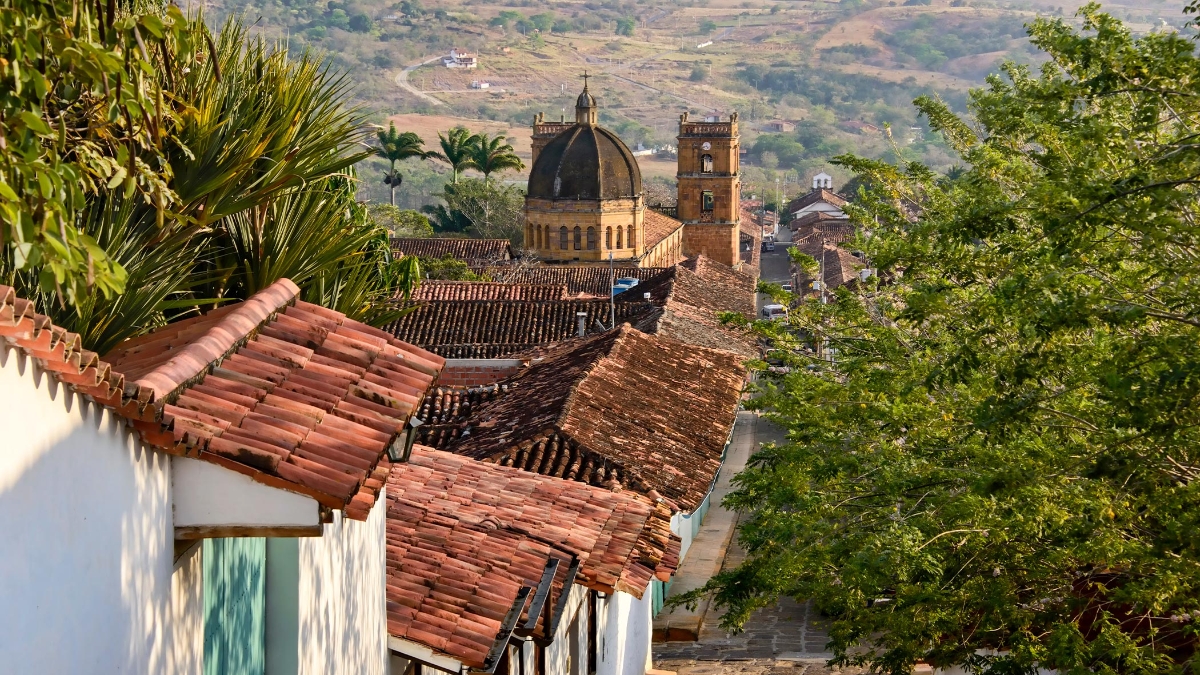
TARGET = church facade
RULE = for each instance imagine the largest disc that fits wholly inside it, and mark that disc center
(585, 203)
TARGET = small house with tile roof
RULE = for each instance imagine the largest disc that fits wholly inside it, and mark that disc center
(821, 198)
(496, 569)
(151, 490)
(623, 410)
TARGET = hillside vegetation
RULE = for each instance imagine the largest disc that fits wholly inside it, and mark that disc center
(842, 72)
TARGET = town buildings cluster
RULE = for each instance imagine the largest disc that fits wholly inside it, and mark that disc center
(504, 480)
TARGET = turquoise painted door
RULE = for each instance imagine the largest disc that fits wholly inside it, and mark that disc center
(234, 606)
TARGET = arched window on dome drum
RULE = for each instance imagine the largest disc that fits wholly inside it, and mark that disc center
(562, 237)
(619, 237)
(608, 237)
(706, 164)
(546, 237)
(629, 238)
(591, 239)
(578, 238)
(534, 236)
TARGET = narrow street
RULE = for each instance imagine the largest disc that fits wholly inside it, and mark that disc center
(788, 637)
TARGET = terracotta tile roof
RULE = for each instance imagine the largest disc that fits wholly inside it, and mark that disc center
(720, 274)
(658, 227)
(580, 280)
(290, 393)
(687, 305)
(274, 388)
(713, 291)
(489, 329)
(748, 224)
(486, 290)
(818, 195)
(61, 354)
(833, 229)
(463, 537)
(840, 265)
(472, 251)
(685, 323)
(621, 409)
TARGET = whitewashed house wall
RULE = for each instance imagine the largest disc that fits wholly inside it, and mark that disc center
(87, 576)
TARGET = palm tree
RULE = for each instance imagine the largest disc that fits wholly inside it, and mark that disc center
(456, 149)
(396, 147)
(490, 155)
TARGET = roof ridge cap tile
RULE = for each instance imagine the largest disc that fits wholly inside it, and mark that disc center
(220, 340)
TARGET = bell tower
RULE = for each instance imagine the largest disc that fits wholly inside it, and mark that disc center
(709, 179)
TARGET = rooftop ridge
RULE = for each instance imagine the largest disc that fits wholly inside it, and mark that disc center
(224, 337)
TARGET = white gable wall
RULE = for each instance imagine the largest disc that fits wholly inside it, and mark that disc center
(85, 520)
(343, 597)
(626, 626)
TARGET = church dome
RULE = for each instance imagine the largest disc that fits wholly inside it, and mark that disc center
(585, 161)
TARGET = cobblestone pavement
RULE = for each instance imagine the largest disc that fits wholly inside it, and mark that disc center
(789, 631)
(753, 667)
(788, 637)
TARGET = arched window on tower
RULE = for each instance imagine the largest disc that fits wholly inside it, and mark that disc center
(578, 238)
(546, 238)
(562, 237)
(706, 164)
(608, 237)
(629, 238)
(619, 231)
(591, 239)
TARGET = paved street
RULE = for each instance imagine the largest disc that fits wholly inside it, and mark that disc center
(788, 637)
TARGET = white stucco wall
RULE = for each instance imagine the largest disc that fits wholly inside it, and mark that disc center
(343, 611)
(824, 207)
(86, 574)
(625, 631)
(209, 495)
(575, 617)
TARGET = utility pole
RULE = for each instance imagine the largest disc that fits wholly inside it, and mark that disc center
(612, 283)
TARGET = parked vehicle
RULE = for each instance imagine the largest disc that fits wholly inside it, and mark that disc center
(768, 246)
(774, 312)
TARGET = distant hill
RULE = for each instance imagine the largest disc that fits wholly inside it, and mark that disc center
(829, 75)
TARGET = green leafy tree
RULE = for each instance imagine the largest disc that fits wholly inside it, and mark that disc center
(490, 154)
(991, 453)
(400, 222)
(543, 22)
(626, 26)
(457, 147)
(82, 116)
(397, 147)
(482, 208)
(707, 26)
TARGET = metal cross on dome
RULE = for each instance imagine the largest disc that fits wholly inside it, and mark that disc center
(585, 77)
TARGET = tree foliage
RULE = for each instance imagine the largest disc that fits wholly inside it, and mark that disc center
(457, 145)
(991, 453)
(397, 147)
(237, 172)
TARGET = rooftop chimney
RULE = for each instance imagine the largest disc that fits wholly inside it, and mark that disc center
(581, 324)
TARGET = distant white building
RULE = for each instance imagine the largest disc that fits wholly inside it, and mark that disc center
(481, 84)
(460, 59)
